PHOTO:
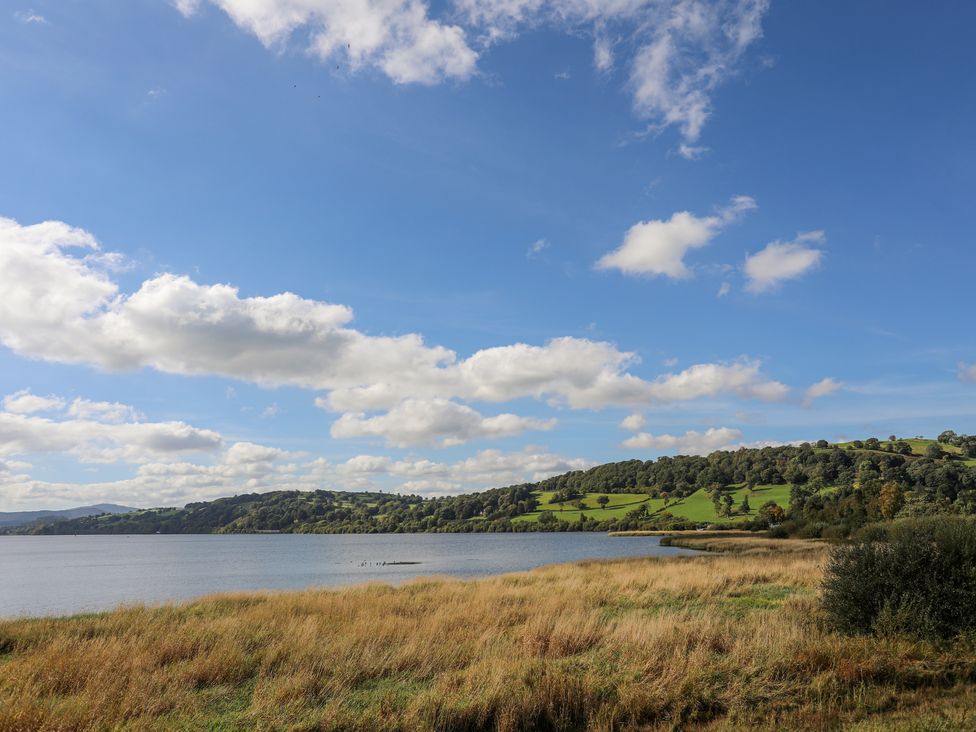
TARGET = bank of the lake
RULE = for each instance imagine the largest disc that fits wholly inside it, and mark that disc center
(729, 641)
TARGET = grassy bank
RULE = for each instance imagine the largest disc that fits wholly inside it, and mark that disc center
(728, 640)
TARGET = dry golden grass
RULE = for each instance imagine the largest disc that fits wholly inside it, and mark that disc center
(725, 641)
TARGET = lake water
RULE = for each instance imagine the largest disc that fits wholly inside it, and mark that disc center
(59, 575)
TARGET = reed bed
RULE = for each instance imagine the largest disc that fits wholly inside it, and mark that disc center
(725, 641)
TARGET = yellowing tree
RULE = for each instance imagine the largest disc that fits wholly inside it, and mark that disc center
(891, 499)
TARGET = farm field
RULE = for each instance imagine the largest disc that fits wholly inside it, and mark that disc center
(696, 507)
(917, 444)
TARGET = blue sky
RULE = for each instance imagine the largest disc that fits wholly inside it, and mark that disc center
(520, 238)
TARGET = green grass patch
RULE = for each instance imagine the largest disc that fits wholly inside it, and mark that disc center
(697, 507)
(757, 597)
(619, 506)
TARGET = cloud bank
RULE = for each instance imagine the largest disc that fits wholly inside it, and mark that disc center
(59, 303)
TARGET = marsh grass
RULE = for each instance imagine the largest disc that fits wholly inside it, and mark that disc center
(732, 640)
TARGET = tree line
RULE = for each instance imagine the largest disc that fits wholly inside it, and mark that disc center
(834, 490)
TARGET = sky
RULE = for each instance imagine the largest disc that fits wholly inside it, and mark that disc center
(436, 247)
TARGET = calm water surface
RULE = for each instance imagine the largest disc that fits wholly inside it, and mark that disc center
(58, 575)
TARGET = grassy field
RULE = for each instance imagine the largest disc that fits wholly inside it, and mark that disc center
(731, 640)
(917, 444)
(619, 506)
(696, 507)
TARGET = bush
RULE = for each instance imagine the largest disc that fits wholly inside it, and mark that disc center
(918, 580)
(812, 530)
(782, 531)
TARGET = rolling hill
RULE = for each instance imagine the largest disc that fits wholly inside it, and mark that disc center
(848, 483)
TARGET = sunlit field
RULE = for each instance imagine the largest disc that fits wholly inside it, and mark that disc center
(728, 640)
(695, 507)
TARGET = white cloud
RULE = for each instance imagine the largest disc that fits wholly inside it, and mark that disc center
(270, 411)
(487, 468)
(693, 48)
(967, 372)
(690, 443)
(92, 441)
(658, 247)
(112, 412)
(29, 16)
(246, 453)
(742, 378)
(61, 306)
(187, 7)
(691, 152)
(434, 422)
(536, 248)
(24, 402)
(396, 36)
(684, 48)
(824, 387)
(250, 468)
(781, 261)
(242, 468)
(633, 422)
(602, 54)
(724, 290)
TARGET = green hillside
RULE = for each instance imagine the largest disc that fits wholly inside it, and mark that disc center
(848, 484)
(697, 507)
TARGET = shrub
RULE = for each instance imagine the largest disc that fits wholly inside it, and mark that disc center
(812, 530)
(919, 580)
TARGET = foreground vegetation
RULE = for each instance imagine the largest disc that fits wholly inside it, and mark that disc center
(812, 490)
(733, 640)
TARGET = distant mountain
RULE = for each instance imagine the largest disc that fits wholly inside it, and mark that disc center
(20, 518)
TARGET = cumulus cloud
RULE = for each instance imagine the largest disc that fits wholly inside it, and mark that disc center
(781, 261)
(59, 303)
(25, 402)
(247, 467)
(682, 49)
(658, 247)
(434, 422)
(633, 422)
(95, 441)
(824, 387)
(242, 468)
(967, 372)
(742, 378)
(690, 443)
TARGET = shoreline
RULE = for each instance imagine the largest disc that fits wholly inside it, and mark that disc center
(728, 640)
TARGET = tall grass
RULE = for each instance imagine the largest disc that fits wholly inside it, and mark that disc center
(733, 640)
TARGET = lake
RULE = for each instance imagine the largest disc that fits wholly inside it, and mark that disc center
(60, 575)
